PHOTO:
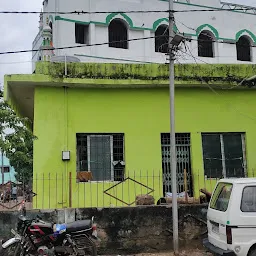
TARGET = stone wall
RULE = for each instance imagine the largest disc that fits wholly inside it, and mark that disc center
(131, 229)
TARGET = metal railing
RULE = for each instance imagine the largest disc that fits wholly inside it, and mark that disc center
(64, 190)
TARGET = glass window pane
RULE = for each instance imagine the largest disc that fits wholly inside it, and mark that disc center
(248, 203)
(221, 197)
(233, 155)
(212, 155)
(100, 157)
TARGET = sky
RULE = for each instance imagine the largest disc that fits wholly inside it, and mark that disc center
(18, 32)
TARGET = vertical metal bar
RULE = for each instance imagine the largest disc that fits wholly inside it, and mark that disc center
(49, 177)
(185, 185)
(123, 193)
(103, 199)
(62, 190)
(78, 195)
(134, 184)
(56, 187)
(210, 181)
(84, 184)
(160, 185)
(91, 192)
(89, 152)
(223, 156)
(36, 189)
(205, 178)
(153, 184)
(70, 190)
(244, 155)
(112, 158)
(97, 193)
(140, 182)
(198, 178)
(147, 181)
(43, 194)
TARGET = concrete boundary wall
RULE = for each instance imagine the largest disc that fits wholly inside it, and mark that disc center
(130, 229)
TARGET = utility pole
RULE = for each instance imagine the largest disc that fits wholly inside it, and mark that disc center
(172, 134)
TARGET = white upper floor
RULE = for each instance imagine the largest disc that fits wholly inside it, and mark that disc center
(214, 36)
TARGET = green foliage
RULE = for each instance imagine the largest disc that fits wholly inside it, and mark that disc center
(16, 140)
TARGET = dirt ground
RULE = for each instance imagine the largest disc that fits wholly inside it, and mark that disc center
(182, 253)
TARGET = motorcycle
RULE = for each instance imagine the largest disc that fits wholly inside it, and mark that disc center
(35, 237)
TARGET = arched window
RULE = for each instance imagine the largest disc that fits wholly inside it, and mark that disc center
(117, 34)
(243, 49)
(205, 44)
(162, 39)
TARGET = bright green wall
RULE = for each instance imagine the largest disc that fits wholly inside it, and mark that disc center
(141, 114)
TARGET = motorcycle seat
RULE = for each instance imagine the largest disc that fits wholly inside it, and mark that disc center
(79, 225)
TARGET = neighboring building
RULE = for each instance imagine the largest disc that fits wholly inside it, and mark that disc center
(9, 172)
(216, 36)
(113, 120)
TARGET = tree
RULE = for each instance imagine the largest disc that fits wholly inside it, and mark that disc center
(16, 140)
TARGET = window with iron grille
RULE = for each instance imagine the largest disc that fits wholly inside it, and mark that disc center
(162, 39)
(117, 34)
(183, 158)
(205, 44)
(224, 154)
(243, 49)
(101, 154)
(82, 33)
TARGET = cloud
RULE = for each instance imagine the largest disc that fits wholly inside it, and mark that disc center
(18, 32)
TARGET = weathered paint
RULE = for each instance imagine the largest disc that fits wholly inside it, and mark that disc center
(143, 26)
(142, 115)
(221, 74)
(131, 99)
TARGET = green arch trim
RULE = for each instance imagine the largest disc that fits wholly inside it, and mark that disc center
(212, 29)
(240, 33)
(51, 18)
(158, 22)
(126, 17)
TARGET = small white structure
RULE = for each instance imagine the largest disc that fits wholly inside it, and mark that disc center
(46, 48)
(214, 36)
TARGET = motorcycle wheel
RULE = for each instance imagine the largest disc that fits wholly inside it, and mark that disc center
(13, 250)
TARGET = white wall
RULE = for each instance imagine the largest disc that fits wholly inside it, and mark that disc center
(35, 46)
(227, 24)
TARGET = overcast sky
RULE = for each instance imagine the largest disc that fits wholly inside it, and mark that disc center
(19, 31)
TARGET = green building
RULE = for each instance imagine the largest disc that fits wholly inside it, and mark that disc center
(103, 129)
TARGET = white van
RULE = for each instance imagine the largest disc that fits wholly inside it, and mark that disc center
(231, 218)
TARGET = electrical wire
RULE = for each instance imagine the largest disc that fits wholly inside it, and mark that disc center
(218, 94)
(106, 43)
(135, 11)
(216, 10)
(80, 46)
(82, 12)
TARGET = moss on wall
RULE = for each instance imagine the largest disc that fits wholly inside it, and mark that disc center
(202, 73)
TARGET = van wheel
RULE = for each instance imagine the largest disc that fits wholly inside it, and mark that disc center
(252, 252)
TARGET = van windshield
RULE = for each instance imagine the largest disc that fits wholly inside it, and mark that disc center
(221, 196)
